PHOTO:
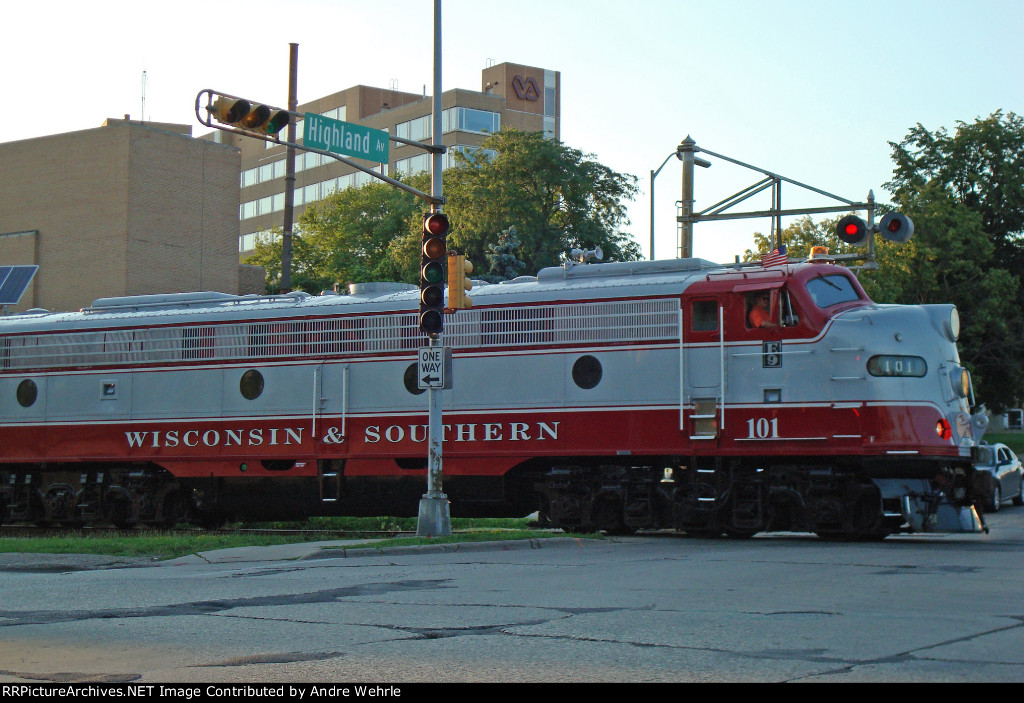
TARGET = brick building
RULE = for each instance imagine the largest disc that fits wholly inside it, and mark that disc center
(128, 208)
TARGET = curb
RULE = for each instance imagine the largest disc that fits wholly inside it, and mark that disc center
(450, 548)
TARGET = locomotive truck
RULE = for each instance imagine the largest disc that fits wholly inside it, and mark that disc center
(613, 396)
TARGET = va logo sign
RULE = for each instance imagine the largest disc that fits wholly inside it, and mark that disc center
(526, 88)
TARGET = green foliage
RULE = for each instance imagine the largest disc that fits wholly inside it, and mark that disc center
(351, 236)
(965, 194)
(556, 197)
(799, 237)
(504, 264)
(519, 211)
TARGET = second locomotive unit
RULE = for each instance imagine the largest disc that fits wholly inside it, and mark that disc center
(616, 396)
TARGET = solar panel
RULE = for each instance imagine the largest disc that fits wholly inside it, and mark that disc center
(14, 282)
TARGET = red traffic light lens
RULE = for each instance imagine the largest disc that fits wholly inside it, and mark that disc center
(436, 224)
(851, 229)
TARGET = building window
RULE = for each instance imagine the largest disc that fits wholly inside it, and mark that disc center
(465, 119)
(417, 130)
(413, 165)
(550, 101)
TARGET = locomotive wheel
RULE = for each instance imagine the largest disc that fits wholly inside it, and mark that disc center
(173, 509)
(118, 512)
(606, 515)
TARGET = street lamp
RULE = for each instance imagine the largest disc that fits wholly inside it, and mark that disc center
(679, 155)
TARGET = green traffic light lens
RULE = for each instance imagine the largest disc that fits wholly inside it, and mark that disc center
(276, 123)
(433, 272)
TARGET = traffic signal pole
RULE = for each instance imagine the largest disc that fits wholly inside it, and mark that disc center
(434, 512)
(261, 121)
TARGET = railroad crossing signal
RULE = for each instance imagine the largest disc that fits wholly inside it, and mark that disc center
(433, 250)
(896, 227)
(243, 114)
(852, 230)
(459, 282)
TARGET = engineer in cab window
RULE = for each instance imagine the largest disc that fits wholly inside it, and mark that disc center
(760, 314)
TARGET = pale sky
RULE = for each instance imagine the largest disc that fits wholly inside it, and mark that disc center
(812, 90)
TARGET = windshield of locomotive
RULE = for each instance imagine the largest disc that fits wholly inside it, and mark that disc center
(826, 291)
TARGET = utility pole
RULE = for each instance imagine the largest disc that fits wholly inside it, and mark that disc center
(289, 173)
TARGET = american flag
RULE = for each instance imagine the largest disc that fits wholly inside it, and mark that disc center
(776, 257)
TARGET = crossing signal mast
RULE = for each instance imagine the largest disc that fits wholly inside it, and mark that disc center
(851, 229)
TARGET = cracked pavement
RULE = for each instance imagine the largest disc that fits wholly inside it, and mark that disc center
(647, 608)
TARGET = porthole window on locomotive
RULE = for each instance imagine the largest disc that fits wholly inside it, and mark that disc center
(411, 384)
(894, 365)
(586, 372)
(27, 393)
(251, 385)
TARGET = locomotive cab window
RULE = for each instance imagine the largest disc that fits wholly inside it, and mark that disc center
(761, 310)
(705, 316)
(827, 291)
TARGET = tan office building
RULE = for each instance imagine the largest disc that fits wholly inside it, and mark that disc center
(124, 209)
(511, 95)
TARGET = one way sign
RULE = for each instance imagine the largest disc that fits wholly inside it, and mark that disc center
(434, 367)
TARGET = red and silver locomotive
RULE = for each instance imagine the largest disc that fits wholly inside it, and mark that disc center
(615, 396)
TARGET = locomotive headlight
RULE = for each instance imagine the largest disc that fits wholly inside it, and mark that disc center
(954, 323)
(965, 383)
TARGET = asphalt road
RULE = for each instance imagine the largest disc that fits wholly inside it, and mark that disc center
(657, 608)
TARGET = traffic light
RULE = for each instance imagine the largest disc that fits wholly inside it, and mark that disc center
(852, 230)
(896, 227)
(243, 114)
(433, 251)
(459, 282)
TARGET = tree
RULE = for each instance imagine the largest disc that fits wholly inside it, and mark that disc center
(965, 193)
(980, 166)
(504, 264)
(528, 205)
(799, 237)
(351, 236)
(556, 197)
